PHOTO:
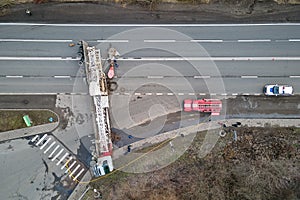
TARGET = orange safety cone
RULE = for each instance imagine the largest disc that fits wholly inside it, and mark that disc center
(111, 72)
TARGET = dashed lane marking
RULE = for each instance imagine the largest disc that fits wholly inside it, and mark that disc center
(159, 94)
(294, 76)
(261, 40)
(155, 77)
(149, 94)
(206, 41)
(180, 94)
(14, 76)
(249, 76)
(201, 77)
(170, 94)
(159, 41)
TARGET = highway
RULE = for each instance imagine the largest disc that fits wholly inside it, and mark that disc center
(36, 58)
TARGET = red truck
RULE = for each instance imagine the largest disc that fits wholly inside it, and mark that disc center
(214, 106)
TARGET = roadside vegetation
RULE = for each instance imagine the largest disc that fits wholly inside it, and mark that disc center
(11, 120)
(263, 163)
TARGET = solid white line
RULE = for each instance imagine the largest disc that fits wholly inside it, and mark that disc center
(159, 94)
(43, 146)
(51, 145)
(209, 58)
(14, 76)
(75, 178)
(77, 167)
(264, 40)
(249, 76)
(155, 77)
(32, 40)
(294, 40)
(62, 76)
(159, 40)
(57, 154)
(201, 76)
(170, 94)
(147, 25)
(70, 167)
(64, 165)
(34, 139)
(206, 40)
(35, 58)
(53, 151)
(294, 76)
(148, 94)
(64, 156)
(180, 94)
(44, 136)
(112, 40)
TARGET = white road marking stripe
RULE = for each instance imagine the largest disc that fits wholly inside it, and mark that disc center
(234, 94)
(70, 167)
(170, 94)
(57, 154)
(213, 94)
(159, 40)
(126, 93)
(246, 94)
(53, 151)
(180, 94)
(201, 76)
(206, 40)
(137, 94)
(62, 76)
(14, 76)
(47, 141)
(75, 178)
(249, 76)
(202, 94)
(77, 167)
(209, 58)
(32, 40)
(257, 94)
(224, 94)
(64, 165)
(34, 139)
(294, 76)
(51, 145)
(148, 94)
(155, 77)
(263, 40)
(294, 40)
(64, 156)
(191, 94)
(159, 94)
(44, 136)
(112, 40)
(35, 58)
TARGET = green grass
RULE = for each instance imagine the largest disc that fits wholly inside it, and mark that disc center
(11, 120)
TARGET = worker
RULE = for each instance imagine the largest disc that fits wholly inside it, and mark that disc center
(28, 12)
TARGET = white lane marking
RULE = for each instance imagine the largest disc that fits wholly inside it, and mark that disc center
(202, 93)
(44, 136)
(245, 94)
(249, 76)
(14, 76)
(53, 151)
(43, 146)
(294, 76)
(62, 76)
(213, 94)
(35, 58)
(148, 25)
(75, 178)
(159, 40)
(64, 165)
(234, 94)
(159, 94)
(224, 94)
(201, 76)
(155, 77)
(191, 94)
(32, 40)
(170, 94)
(126, 93)
(206, 41)
(257, 94)
(70, 167)
(263, 40)
(34, 139)
(77, 167)
(62, 158)
(57, 154)
(51, 145)
(149, 94)
(208, 58)
(137, 94)
(294, 40)
(180, 94)
(112, 40)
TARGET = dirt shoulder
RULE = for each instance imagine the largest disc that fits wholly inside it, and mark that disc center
(218, 12)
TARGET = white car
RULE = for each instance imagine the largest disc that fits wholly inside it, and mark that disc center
(278, 90)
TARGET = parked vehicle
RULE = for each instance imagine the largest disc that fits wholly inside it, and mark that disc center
(214, 106)
(278, 90)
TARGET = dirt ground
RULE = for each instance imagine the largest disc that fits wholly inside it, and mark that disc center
(218, 11)
(263, 163)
